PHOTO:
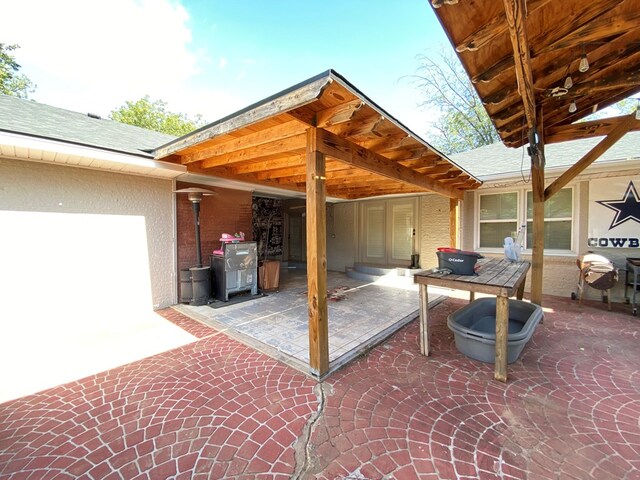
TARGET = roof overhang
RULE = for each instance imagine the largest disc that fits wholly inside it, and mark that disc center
(518, 54)
(368, 152)
(36, 149)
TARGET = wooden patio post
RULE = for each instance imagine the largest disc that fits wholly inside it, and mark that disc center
(537, 184)
(317, 257)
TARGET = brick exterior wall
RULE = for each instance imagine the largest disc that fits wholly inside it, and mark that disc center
(434, 228)
(227, 212)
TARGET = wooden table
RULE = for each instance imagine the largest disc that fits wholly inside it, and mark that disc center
(498, 277)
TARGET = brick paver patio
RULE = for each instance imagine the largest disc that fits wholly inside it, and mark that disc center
(218, 409)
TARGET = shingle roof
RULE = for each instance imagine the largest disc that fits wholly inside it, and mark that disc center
(44, 121)
(498, 159)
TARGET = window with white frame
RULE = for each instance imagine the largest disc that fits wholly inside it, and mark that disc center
(501, 214)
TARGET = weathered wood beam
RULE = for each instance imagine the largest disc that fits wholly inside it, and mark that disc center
(305, 94)
(389, 142)
(365, 192)
(599, 28)
(363, 125)
(292, 145)
(581, 130)
(268, 135)
(349, 152)
(620, 131)
(248, 179)
(587, 14)
(537, 188)
(263, 166)
(493, 28)
(616, 81)
(297, 171)
(515, 11)
(338, 114)
(317, 257)
(555, 73)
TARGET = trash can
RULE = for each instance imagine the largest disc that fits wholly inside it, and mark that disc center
(201, 284)
(186, 286)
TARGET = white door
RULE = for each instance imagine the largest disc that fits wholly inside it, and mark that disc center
(387, 232)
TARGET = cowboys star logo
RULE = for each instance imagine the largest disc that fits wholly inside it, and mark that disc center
(628, 208)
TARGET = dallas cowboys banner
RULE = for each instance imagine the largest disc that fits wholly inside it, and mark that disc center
(614, 213)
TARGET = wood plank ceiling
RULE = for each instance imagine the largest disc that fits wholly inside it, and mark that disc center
(265, 144)
(559, 33)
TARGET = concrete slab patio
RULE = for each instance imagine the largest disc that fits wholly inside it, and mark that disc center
(361, 315)
(216, 408)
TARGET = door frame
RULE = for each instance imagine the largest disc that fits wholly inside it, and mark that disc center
(388, 226)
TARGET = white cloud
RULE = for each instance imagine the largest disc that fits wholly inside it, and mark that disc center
(92, 56)
(222, 63)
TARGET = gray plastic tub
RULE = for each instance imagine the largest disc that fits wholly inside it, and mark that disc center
(474, 328)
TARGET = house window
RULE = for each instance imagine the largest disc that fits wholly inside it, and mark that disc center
(501, 214)
(558, 211)
(498, 218)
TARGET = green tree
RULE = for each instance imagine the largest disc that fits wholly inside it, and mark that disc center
(462, 122)
(12, 83)
(153, 115)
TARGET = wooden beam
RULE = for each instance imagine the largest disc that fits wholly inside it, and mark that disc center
(346, 151)
(268, 135)
(594, 128)
(248, 179)
(453, 222)
(282, 146)
(590, 11)
(297, 171)
(596, 29)
(338, 114)
(263, 166)
(595, 153)
(307, 93)
(537, 187)
(493, 28)
(502, 337)
(317, 257)
(365, 123)
(515, 11)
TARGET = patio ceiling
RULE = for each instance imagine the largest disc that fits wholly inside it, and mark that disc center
(368, 152)
(552, 36)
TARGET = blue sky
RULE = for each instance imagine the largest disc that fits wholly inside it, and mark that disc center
(216, 57)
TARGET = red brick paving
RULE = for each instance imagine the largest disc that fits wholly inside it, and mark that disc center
(218, 409)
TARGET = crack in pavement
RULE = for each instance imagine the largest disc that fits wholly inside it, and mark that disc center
(303, 444)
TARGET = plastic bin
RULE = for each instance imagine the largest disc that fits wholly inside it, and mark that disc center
(474, 328)
(460, 262)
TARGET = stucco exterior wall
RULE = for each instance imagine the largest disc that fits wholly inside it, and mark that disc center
(434, 228)
(45, 189)
(342, 236)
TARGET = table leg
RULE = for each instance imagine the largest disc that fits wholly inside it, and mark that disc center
(424, 320)
(520, 291)
(472, 296)
(502, 335)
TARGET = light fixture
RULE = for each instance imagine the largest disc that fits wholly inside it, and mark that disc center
(638, 110)
(594, 109)
(584, 63)
(573, 108)
(568, 82)
(195, 195)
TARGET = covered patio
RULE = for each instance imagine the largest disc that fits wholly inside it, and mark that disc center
(323, 140)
